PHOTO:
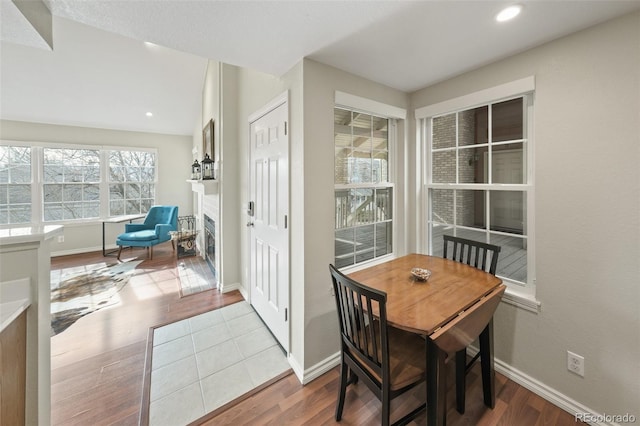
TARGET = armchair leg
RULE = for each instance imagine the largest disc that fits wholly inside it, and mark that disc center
(173, 245)
(119, 251)
(150, 252)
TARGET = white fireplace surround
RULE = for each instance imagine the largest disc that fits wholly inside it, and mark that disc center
(206, 201)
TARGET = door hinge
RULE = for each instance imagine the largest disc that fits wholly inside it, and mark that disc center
(285, 128)
(286, 314)
(285, 221)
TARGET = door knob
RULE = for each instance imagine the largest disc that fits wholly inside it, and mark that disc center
(249, 223)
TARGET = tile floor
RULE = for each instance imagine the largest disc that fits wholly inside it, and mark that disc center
(195, 275)
(203, 362)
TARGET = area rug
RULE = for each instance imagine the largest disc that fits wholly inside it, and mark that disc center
(200, 366)
(76, 292)
(195, 275)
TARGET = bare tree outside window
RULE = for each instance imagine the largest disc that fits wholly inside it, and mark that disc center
(71, 188)
(15, 184)
(132, 176)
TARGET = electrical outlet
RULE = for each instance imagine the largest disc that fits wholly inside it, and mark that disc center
(61, 238)
(575, 363)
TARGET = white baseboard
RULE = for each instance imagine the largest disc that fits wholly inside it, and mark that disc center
(557, 398)
(315, 371)
(226, 288)
(78, 251)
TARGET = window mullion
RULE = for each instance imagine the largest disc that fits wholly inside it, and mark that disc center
(104, 183)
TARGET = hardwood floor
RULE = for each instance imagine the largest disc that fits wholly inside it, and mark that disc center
(98, 367)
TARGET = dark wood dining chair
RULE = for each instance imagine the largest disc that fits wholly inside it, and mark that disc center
(481, 256)
(388, 360)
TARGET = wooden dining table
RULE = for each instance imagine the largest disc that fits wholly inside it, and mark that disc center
(424, 307)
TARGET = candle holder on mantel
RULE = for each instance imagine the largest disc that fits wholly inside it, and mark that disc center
(195, 170)
(207, 167)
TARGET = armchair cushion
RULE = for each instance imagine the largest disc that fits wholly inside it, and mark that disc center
(147, 235)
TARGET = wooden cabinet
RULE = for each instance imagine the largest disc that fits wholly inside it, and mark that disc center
(13, 371)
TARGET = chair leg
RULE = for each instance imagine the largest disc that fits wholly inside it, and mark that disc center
(119, 252)
(486, 364)
(386, 408)
(461, 374)
(173, 245)
(344, 373)
(150, 252)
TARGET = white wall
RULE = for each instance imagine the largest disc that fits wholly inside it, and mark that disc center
(321, 332)
(255, 90)
(174, 168)
(587, 211)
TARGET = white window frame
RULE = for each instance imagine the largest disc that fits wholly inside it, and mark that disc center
(393, 113)
(37, 179)
(523, 296)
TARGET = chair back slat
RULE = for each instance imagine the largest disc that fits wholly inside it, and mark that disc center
(363, 321)
(473, 253)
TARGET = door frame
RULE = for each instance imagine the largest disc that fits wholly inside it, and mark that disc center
(282, 98)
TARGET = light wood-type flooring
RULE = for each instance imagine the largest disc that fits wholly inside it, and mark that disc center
(98, 366)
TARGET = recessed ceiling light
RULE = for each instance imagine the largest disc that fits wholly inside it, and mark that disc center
(149, 114)
(508, 13)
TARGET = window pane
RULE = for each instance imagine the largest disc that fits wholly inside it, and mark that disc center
(507, 211)
(344, 247)
(383, 239)
(20, 214)
(361, 206)
(52, 193)
(116, 208)
(364, 243)
(343, 209)
(147, 190)
(132, 207)
(444, 131)
(470, 206)
(361, 128)
(92, 193)
(384, 205)
(360, 167)
(341, 175)
(507, 120)
(19, 194)
(472, 126)
(472, 167)
(444, 167)
(53, 173)
(442, 206)
(380, 169)
(4, 194)
(512, 261)
(508, 163)
(71, 192)
(436, 232)
(53, 212)
(116, 192)
(380, 133)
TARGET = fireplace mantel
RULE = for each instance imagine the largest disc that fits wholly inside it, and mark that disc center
(205, 187)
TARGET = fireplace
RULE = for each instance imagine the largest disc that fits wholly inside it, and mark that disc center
(210, 244)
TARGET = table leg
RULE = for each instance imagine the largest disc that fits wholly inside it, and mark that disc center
(487, 365)
(436, 385)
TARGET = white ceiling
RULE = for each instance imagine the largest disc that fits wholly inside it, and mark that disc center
(100, 74)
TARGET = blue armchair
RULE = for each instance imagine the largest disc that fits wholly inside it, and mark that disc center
(159, 222)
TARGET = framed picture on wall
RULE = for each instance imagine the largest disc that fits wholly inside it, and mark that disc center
(207, 140)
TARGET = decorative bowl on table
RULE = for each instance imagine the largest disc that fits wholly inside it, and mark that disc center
(421, 274)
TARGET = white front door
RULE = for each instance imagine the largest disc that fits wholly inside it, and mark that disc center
(268, 224)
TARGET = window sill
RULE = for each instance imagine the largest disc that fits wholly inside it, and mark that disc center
(521, 299)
